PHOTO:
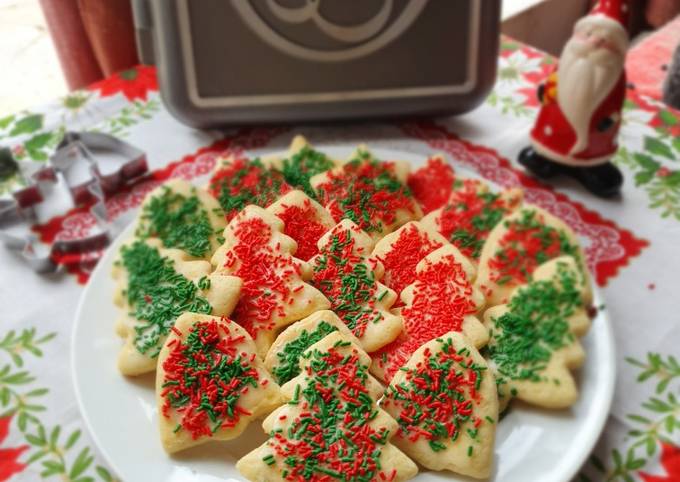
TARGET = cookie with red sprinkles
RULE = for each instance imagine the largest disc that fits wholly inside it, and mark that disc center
(346, 275)
(237, 182)
(283, 358)
(154, 286)
(534, 338)
(210, 383)
(520, 243)
(441, 299)
(331, 428)
(371, 193)
(470, 212)
(445, 402)
(274, 292)
(304, 219)
(400, 252)
(432, 184)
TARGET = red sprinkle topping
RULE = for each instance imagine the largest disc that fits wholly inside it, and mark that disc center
(431, 185)
(400, 261)
(270, 276)
(441, 299)
(205, 377)
(302, 224)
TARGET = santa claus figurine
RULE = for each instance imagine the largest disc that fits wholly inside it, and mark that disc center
(576, 129)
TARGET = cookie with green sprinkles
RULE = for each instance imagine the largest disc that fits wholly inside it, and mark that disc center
(520, 243)
(182, 216)
(301, 164)
(237, 182)
(344, 272)
(283, 358)
(304, 220)
(445, 402)
(154, 286)
(371, 193)
(331, 428)
(275, 292)
(534, 338)
(210, 383)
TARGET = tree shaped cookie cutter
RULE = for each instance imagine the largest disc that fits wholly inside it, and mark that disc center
(83, 161)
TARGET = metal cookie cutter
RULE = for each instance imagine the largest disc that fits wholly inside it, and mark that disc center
(92, 167)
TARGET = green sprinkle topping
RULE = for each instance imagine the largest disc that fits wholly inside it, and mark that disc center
(289, 357)
(536, 325)
(158, 295)
(302, 166)
(178, 221)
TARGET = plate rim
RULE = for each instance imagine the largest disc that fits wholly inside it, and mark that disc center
(580, 453)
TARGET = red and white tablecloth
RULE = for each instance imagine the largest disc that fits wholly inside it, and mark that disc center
(632, 245)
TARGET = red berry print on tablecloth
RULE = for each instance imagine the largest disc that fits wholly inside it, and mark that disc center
(670, 460)
(134, 83)
(9, 456)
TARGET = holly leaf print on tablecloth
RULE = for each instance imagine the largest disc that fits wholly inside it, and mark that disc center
(652, 427)
(59, 455)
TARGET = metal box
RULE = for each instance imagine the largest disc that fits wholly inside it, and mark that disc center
(223, 62)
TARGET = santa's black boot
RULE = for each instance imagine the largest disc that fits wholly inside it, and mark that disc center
(536, 164)
(604, 180)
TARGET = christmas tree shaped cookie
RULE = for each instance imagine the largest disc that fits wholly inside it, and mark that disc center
(518, 245)
(534, 337)
(442, 299)
(371, 193)
(154, 287)
(238, 181)
(446, 404)
(470, 213)
(301, 164)
(345, 275)
(332, 428)
(182, 217)
(210, 383)
(432, 184)
(400, 252)
(274, 292)
(304, 219)
(283, 358)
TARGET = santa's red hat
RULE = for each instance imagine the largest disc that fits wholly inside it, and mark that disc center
(617, 10)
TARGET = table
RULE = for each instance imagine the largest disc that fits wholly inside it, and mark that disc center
(632, 245)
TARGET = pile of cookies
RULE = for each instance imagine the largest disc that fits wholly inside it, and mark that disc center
(378, 319)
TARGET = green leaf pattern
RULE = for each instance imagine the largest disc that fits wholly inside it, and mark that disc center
(57, 454)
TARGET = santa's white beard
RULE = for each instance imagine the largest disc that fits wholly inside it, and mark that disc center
(585, 77)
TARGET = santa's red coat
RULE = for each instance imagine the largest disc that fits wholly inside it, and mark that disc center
(553, 136)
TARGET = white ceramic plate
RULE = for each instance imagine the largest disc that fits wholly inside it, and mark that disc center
(121, 414)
